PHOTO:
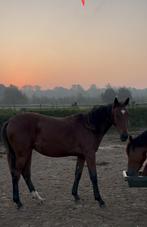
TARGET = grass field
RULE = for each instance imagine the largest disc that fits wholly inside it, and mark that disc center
(137, 115)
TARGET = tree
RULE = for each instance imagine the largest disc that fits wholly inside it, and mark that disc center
(109, 95)
(2, 90)
(28, 90)
(93, 91)
(124, 93)
(77, 89)
(12, 95)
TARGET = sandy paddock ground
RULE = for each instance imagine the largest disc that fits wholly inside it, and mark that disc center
(53, 178)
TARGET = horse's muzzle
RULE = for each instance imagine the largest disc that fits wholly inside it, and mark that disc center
(124, 137)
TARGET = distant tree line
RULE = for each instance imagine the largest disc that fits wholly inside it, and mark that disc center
(12, 95)
(122, 93)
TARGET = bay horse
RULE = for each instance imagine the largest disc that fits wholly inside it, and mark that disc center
(137, 154)
(77, 135)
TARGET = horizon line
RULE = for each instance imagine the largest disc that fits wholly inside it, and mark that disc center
(75, 84)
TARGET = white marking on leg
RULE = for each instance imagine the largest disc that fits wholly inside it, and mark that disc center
(36, 195)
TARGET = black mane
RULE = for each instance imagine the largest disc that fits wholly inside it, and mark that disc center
(101, 118)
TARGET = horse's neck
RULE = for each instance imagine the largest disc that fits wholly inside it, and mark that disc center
(108, 119)
(105, 122)
(107, 126)
(102, 131)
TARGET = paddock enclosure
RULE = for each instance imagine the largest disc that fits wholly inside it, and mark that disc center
(54, 178)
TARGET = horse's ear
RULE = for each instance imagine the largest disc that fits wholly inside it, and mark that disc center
(130, 138)
(116, 102)
(127, 101)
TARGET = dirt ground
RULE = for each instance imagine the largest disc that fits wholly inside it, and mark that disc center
(53, 178)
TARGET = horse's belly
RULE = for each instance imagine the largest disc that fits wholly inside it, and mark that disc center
(57, 150)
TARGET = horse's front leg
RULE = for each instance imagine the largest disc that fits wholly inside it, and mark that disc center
(78, 173)
(91, 163)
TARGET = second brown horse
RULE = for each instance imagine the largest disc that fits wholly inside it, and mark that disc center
(78, 135)
(137, 154)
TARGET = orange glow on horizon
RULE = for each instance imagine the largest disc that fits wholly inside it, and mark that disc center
(60, 44)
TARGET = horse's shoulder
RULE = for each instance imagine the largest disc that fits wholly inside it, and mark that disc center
(79, 117)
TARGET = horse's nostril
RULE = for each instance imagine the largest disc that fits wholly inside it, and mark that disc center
(126, 137)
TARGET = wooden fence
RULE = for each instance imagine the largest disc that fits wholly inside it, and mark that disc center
(56, 106)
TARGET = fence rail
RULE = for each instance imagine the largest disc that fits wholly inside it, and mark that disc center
(43, 106)
(56, 106)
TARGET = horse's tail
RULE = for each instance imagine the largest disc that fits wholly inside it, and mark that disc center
(5, 141)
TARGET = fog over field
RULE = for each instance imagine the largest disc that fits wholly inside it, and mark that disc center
(29, 94)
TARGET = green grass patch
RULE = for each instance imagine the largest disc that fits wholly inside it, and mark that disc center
(137, 115)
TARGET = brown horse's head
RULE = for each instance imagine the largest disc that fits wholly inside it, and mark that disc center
(120, 118)
(136, 157)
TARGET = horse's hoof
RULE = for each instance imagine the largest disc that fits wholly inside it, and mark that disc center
(102, 204)
(77, 198)
(19, 205)
(41, 201)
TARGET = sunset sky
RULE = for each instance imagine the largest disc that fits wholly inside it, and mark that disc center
(60, 43)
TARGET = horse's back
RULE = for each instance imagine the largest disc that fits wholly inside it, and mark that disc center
(141, 140)
(31, 123)
(48, 135)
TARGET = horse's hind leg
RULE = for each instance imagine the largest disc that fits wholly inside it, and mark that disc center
(78, 173)
(26, 173)
(15, 173)
(15, 179)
